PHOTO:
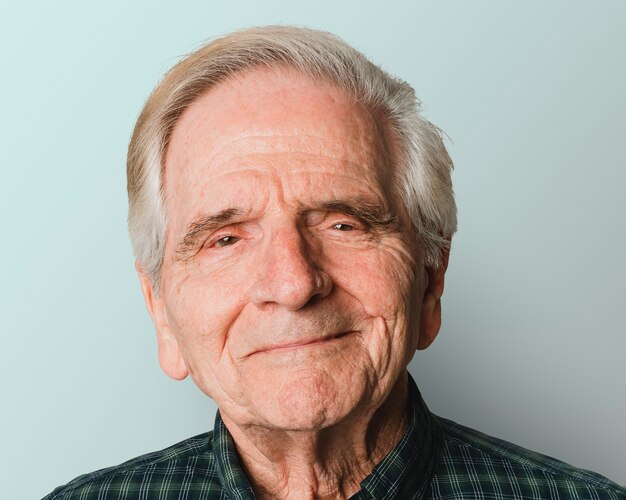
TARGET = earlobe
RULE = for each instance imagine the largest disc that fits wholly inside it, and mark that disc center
(430, 318)
(170, 356)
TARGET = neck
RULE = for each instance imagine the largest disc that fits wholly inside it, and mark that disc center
(329, 462)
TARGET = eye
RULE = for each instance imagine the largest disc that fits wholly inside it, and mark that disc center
(343, 227)
(226, 241)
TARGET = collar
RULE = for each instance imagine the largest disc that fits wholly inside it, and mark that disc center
(229, 469)
(407, 469)
(404, 473)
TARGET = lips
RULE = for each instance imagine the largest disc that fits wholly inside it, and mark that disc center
(300, 343)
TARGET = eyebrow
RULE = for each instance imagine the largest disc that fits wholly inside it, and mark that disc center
(202, 225)
(374, 215)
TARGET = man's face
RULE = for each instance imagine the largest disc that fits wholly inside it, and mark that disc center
(292, 281)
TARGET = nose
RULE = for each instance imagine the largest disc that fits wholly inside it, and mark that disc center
(287, 275)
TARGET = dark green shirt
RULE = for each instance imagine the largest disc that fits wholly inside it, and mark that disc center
(435, 459)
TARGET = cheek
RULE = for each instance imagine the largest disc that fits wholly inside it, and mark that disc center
(384, 282)
(201, 308)
(381, 279)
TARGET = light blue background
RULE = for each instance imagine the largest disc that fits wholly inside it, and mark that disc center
(532, 96)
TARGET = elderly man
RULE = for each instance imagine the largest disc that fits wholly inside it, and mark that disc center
(291, 215)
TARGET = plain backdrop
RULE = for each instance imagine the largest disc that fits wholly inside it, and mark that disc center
(532, 98)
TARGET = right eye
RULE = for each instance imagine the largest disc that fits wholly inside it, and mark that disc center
(226, 241)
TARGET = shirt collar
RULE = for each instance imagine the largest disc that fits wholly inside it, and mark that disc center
(404, 473)
(229, 469)
(407, 469)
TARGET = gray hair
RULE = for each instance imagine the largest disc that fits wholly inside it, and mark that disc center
(424, 166)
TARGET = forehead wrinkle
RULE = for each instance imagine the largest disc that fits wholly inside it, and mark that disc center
(289, 164)
(295, 142)
(360, 129)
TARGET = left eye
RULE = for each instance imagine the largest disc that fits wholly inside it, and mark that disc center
(343, 227)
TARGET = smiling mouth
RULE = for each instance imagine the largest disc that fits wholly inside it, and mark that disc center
(301, 343)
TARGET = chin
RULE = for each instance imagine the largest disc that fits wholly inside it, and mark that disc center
(308, 400)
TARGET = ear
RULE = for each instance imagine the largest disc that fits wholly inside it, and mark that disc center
(430, 319)
(170, 356)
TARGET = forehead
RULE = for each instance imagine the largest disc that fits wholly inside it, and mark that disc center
(275, 121)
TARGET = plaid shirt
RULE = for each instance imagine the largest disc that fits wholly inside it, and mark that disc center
(435, 459)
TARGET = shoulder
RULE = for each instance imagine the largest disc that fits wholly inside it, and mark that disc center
(179, 467)
(475, 465)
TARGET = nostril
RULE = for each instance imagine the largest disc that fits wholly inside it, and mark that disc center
(316, 299)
